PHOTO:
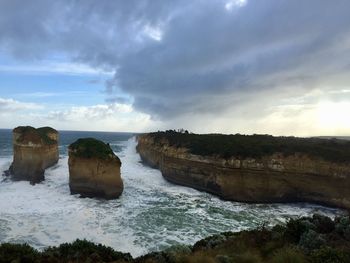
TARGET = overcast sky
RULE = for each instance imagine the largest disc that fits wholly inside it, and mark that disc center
(231, 66)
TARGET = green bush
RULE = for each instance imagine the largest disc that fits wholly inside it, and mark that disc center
(82, 250)
(247, 257)
(39, 134)
(311, 240)
(288, 255)
(18, 253)
(295, 228)
(323, 224)
(224, 259)
(342, 226)
(210, 242)
(91, 148)
(255, 146)
(301, 240)
(329, 255)
(174, 253)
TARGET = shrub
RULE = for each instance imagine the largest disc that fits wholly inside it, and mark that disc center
(199, 258)
(28, 133)
(311, 240)
(158, 257)
(288, 255)
(329, 255)
(342, 226)
(210, 242)
(247, 257)
(295, 228)
(224, 259)
(82, 250)
(175, 253)
(255, 146)
(18, 253)
(90, 148)
(323, 224)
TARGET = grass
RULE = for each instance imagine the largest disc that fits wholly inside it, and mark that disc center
(280, 244)
(36, 135)
(91, 148)
(255, 146)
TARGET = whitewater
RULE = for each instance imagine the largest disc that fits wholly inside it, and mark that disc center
(151, 214)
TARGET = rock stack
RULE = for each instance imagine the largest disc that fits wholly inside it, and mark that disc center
(94, 170)
(34, 150)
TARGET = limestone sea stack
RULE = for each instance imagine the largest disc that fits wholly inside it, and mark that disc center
(94, 170)
(34, 150)
(257, 168)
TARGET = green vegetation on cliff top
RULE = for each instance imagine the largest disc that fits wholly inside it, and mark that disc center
(31, 133)
(316, 239)
(91, 148)
(255, 146)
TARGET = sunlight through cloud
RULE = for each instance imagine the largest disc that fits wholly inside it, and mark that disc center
(235, 3)
(153, 32)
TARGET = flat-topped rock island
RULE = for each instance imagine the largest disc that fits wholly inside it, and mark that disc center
(256, 168)
(34, 150)
(94, 170)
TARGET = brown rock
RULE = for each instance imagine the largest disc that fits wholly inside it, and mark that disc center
(273, 178)
(34, 150)
(94, 170)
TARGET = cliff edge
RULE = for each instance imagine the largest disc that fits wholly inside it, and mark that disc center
(94, 170)
(257, 168)
(34, 150)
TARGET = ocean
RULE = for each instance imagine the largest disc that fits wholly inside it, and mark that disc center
(151, 214)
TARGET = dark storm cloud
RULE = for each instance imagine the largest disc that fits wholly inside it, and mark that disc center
(207, 52)
(180, 57)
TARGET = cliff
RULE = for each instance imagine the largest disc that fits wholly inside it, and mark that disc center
(94, 170)
(34, 150)
(275, 177)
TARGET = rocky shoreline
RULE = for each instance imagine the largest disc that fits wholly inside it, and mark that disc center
(276, 177)
(308, 239)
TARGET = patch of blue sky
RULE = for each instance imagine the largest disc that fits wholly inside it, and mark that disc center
(70, 89)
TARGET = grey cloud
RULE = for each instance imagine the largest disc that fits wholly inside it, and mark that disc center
(208, 59)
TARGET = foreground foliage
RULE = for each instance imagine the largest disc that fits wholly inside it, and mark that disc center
(318, 239)
(255, 145)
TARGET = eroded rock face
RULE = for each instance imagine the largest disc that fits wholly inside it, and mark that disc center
(94, 170)
(34, 150)
(273, 178)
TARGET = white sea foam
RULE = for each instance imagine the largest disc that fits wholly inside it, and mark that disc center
(150, 215)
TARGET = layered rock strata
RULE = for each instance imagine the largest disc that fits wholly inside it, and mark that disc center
(273, 178)
(94, 170)
(34, 150)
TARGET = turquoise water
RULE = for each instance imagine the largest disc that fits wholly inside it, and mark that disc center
(151, 214)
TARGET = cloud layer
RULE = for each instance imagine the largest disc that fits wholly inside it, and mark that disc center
(102, 117)
(234, 63)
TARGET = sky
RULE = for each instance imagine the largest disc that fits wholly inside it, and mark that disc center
(276, 67)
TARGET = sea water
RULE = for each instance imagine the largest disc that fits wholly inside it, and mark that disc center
(151, 214)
